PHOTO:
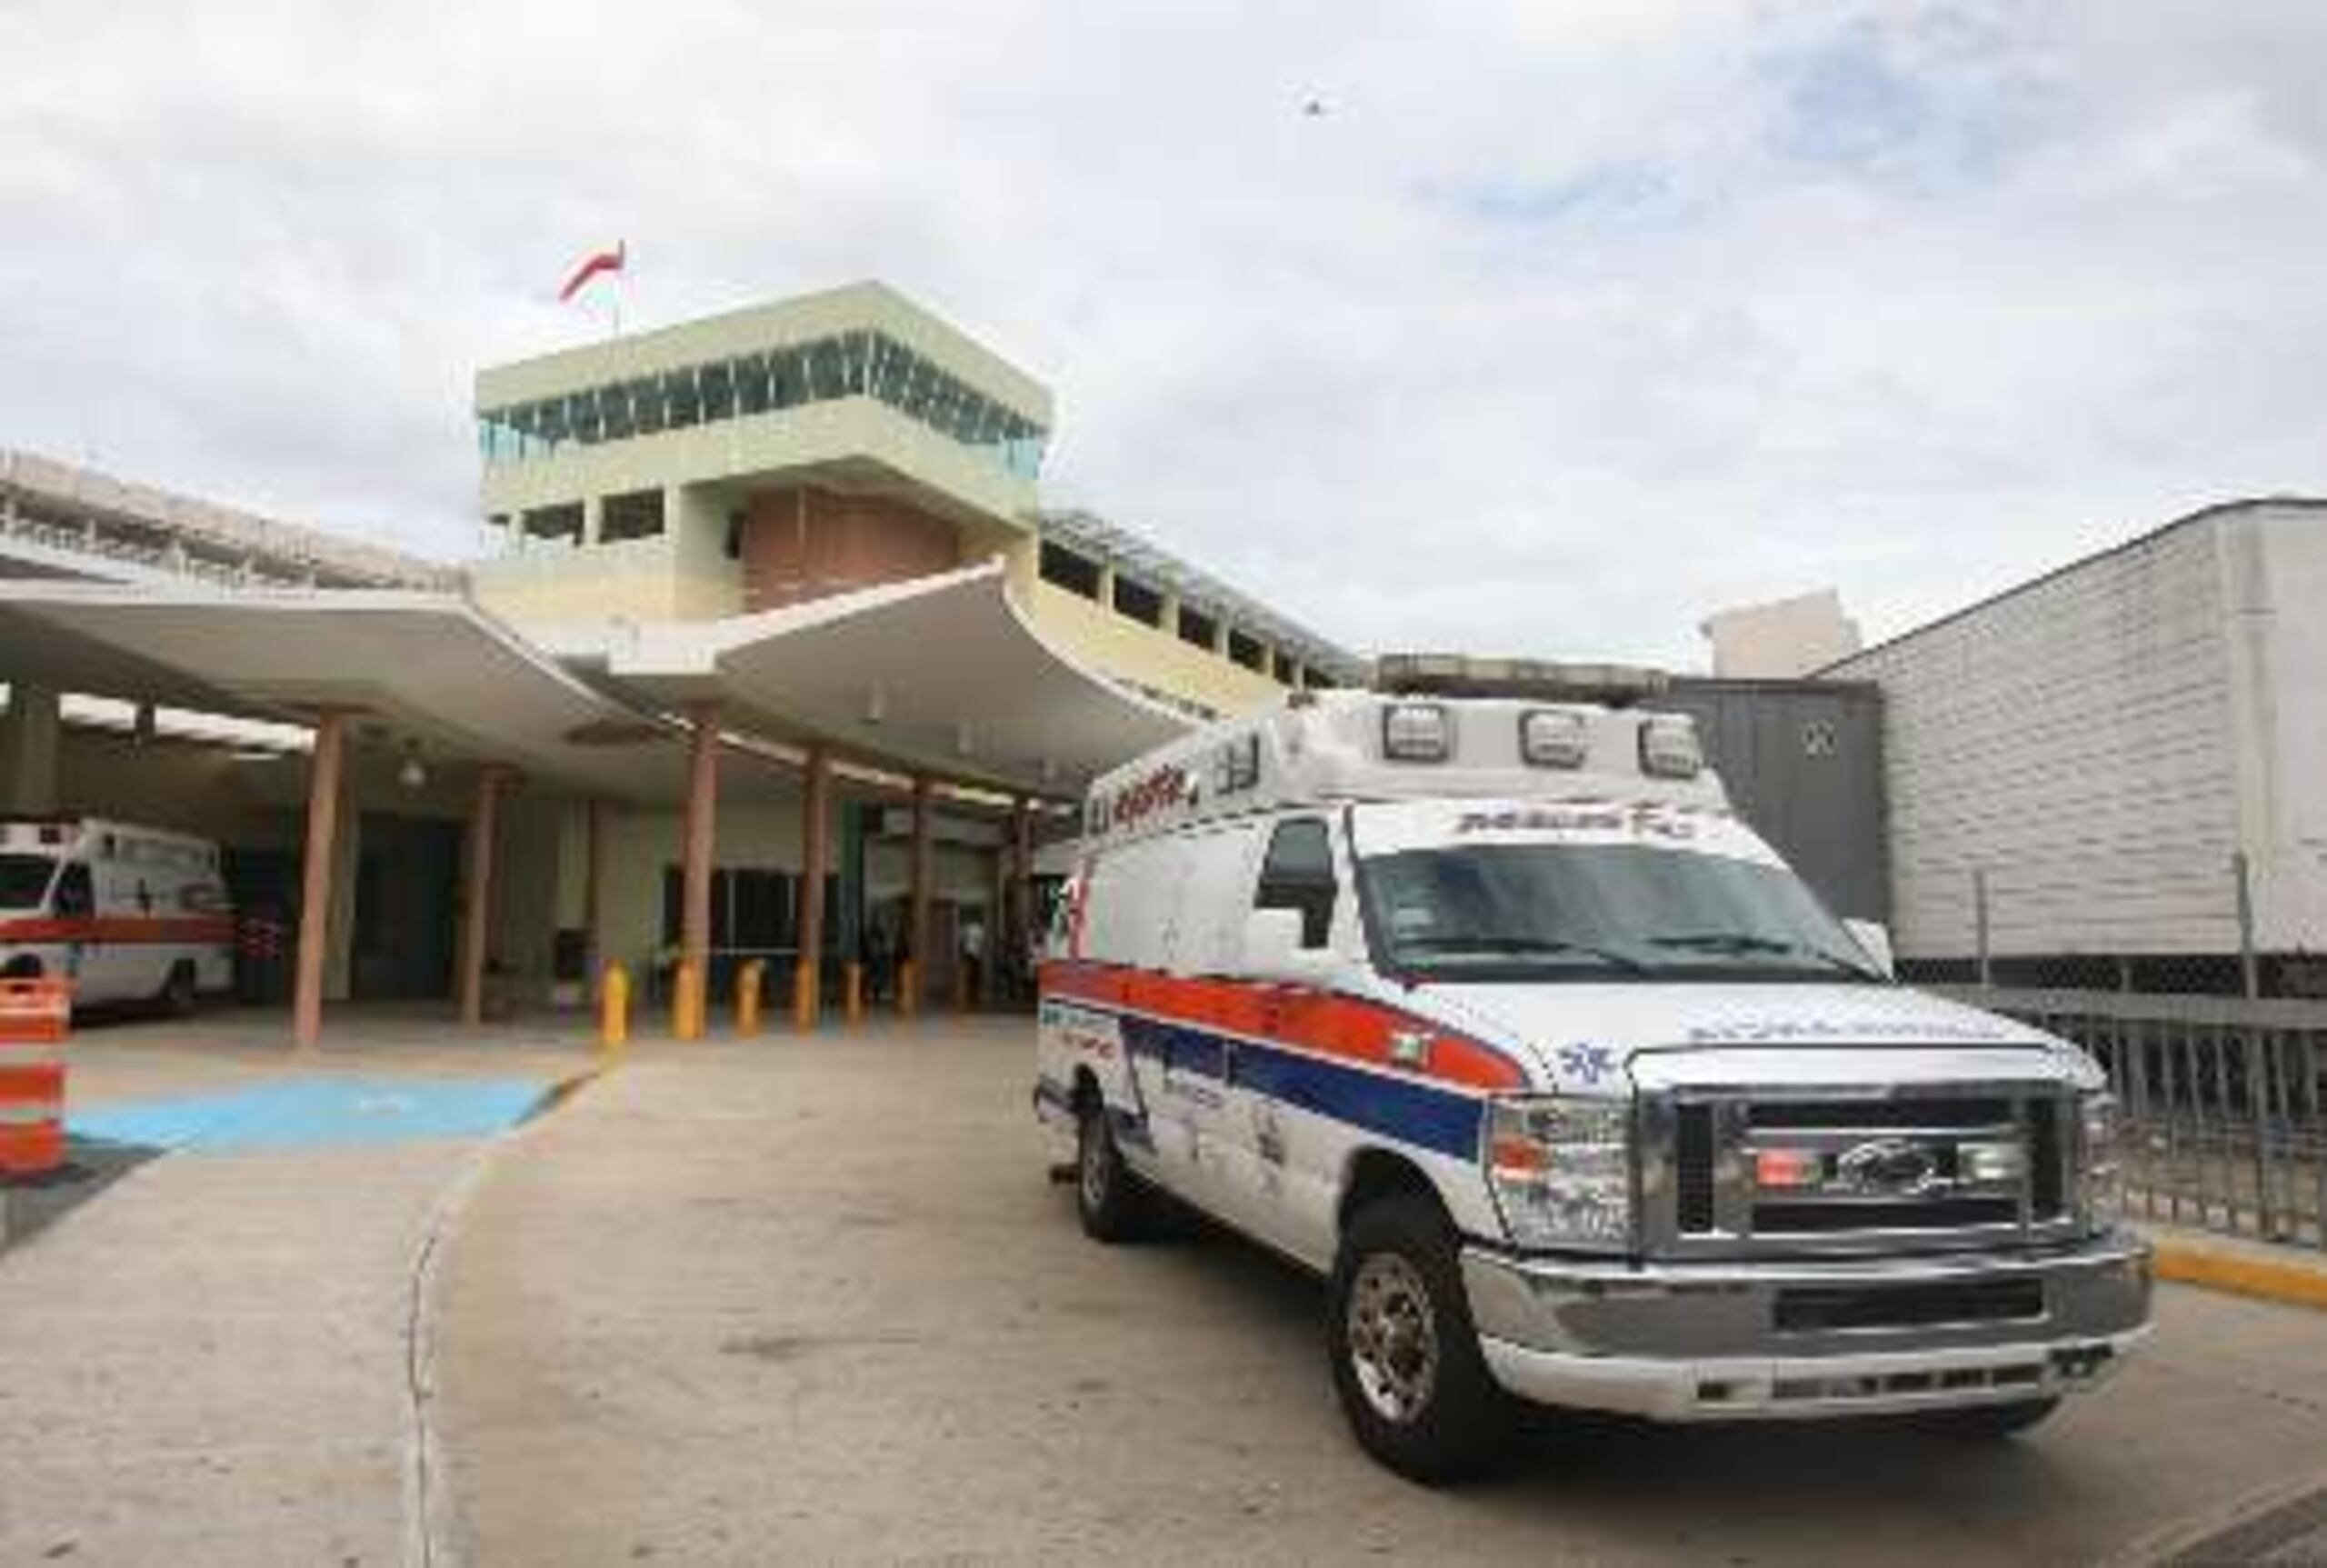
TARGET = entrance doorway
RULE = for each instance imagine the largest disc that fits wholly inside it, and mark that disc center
(262, 887)
(407, 878)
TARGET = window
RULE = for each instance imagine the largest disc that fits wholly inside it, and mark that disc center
(24, 880)
(751, 384)
(648, 404)
(1138, 601)
(683, 396)
(582, 417)
(613, 412)
(1199, 628)
(635, 515)
(716, 384)
(73, 897)
(1063, 568)
(1246, 651)
(1298, 874)
(788, 371)
(562, 521)
(847, 364)
(1281, 666)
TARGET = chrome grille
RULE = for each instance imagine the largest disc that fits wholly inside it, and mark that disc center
(1732, 1172)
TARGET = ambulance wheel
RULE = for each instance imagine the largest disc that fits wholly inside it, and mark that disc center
(177, 992)
(1986, 1423)
(1406, 1361)
(1107, 1196)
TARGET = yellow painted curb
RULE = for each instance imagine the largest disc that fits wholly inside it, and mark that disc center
(2301, 1283)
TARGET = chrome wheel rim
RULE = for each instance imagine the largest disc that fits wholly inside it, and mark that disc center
(1092, 1166)
(1393, 1337)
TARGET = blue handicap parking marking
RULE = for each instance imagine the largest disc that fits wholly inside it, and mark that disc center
(290, 1113)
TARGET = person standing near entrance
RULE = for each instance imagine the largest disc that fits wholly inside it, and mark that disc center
(973, 957)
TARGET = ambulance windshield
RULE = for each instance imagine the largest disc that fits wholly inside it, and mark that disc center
(24, 880)
(1598, 911)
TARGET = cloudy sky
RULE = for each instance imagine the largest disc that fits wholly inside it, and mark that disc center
(1565, 324)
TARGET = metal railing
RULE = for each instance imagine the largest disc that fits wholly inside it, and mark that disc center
(2220, 1098)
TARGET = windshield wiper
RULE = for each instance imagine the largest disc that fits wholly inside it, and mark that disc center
(1737, 944)
(1521, 946)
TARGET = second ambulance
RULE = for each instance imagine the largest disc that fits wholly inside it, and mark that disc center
(1492, 1012)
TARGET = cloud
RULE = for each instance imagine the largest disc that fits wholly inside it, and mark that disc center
(1565, 324)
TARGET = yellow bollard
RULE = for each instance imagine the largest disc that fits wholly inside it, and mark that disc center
(613, 1009)
(806, 1003)
(748, 981)
(851, 993)
(687, 1001)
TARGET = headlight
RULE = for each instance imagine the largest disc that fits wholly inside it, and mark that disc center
(2100, 1161)
(1561, 1170)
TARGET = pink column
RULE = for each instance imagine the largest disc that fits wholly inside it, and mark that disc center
(476, 917)
(815, 860)
(702, 806)
(324, 768)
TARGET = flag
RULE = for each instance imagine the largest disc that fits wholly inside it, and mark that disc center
(603, 261)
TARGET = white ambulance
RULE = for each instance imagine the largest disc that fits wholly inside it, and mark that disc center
(1490, 1011)
(127, 914)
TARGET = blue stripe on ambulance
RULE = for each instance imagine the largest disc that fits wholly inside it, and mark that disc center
(1422, 1114)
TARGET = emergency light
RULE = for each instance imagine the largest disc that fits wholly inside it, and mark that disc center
(1669, 748)
(1417, 733)
(1554, 738)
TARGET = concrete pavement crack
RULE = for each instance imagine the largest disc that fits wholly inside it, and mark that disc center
(427, 1543)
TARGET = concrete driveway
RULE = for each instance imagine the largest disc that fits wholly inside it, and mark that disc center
(206, 1331)
(806, 1300)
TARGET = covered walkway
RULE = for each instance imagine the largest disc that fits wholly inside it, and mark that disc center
(933, 693)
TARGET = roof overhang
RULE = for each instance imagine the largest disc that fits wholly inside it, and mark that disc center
(940, 675)
(430, 669)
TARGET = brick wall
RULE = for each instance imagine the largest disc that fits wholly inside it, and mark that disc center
(809, 543)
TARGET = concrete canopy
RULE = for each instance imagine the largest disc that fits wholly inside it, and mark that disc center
(421, 668)
(940, 675)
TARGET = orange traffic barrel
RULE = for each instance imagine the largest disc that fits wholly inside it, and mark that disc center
(35, 1017)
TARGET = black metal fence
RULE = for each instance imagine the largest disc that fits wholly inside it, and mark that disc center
(2221, 1099)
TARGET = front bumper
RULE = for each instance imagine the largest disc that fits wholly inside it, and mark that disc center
(1725, 1341)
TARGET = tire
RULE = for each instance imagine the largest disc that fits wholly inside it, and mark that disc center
(1405, 1355)
(177, 998)
(1986, 1423)
(1107, 1196)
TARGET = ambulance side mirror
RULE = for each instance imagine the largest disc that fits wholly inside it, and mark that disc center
(1272, 949)
(1875, 938)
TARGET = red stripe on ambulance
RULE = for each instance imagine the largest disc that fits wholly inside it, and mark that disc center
(1344, 1027)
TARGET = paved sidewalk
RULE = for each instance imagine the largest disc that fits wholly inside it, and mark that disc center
(205, 1363)
(814, 1301)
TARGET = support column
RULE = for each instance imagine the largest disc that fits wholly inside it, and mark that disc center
(1021, 888)
(28, 749)
(593, 878)
(917, 927)
(324, 768)
(702, 807)
(815, 860)
(476, 918)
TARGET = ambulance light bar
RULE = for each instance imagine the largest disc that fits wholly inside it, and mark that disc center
(1554, 738)
(1669, 747)
(1417, 733)
(1544, 680)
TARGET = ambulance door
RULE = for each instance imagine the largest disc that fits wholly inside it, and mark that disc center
(1212, 872)
(1280, 1143)
(89, 963)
